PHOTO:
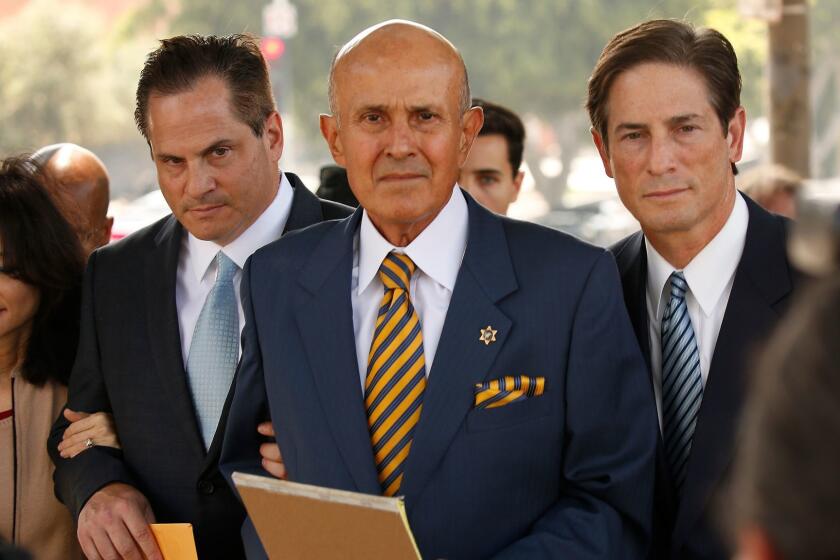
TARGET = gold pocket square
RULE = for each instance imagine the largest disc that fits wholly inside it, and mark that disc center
(509, 389)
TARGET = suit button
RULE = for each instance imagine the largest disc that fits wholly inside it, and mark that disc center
(206, 487)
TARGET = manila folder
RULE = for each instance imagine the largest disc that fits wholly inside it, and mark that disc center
(300, 521)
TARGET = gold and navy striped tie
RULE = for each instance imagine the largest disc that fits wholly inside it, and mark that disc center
(396, 374)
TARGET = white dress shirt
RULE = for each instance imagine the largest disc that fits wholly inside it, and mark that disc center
(197, 262)
(437, 252)
(709, 276)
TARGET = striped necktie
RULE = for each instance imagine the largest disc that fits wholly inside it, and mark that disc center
(396, 374)
(682, 385)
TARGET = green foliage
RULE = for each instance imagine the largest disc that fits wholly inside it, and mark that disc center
(531, 55)
(749, 38)
(214, 17)
(62, 81)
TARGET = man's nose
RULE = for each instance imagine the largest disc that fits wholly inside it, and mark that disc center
(661, 158)
(401, 140)
(200, 180)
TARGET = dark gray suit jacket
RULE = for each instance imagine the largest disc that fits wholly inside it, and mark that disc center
(763, 287)
(130, 363)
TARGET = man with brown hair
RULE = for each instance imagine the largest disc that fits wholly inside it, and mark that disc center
(707, 276)
(78, 182)
(492, 173)
(161, 315)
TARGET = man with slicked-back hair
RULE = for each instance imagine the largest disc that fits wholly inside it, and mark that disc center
(161, 316)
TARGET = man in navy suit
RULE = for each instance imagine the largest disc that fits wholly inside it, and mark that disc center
(707, 276)
(485, 369)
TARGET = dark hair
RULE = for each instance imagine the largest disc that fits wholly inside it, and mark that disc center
(181, 61)
(41, 249)
(667, 41)
(785, 478)
(501, 120)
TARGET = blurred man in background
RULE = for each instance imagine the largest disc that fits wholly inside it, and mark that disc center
(491, 173)
(774, 187)
(78, 182)
(785, 500)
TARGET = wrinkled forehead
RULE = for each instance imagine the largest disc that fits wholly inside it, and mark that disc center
(385, 78)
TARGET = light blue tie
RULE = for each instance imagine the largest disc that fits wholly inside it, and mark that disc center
(682, 385)
(214, 349)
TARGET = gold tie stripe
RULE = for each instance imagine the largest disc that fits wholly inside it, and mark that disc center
(396, 374)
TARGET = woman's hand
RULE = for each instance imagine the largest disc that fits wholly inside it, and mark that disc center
(87, 430)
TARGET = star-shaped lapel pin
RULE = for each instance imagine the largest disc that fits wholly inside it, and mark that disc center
(488, 335)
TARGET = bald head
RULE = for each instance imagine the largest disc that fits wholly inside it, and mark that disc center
(401, 125)
(397, 42)
(78, 182)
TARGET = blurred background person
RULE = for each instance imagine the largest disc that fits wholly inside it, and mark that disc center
(335, 186)
(78, 182)
(39, 307)
(492, 173)
(774, 187)
(785, 494)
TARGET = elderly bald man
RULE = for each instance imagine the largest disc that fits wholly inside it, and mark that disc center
(78, 182)
(483, 368)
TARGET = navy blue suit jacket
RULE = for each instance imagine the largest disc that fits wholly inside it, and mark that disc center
(568, 474)
(762, 289)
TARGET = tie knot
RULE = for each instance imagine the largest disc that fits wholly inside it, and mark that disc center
(678, 285)
(225, 268)
(396, 270)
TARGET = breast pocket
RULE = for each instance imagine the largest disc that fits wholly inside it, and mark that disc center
(513, 414)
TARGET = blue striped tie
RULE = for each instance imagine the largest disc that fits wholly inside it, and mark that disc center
(682, 385)
(214, 349)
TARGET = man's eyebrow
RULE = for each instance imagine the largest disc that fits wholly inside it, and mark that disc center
(209, 149)
(680, 119)
(629, 126)
(422, 107)
(488, 170)
(215, 145)
(672, 121)
(368, 108)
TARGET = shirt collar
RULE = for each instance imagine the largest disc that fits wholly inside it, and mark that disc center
(268, 227)
(437, 251)
(709, 272)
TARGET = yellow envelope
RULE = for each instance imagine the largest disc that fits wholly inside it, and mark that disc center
(175, 540)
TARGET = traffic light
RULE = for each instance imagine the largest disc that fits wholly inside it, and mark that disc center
(272, 48)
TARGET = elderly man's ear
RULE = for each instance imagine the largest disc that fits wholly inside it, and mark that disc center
(471, 123)
(329, 130)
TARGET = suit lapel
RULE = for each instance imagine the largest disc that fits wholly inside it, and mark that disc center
(762, 279)
(306, 208)
(631, 259)
(632, 265)
(485, 277)
(328, 316)
(164, 331)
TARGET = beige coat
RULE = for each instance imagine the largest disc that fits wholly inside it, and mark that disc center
(42, 525)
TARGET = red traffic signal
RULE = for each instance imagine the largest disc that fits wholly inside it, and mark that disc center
(272, 48)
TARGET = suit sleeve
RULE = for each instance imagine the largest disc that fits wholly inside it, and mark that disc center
(249, 406)
(605, 510)
(77, 479)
